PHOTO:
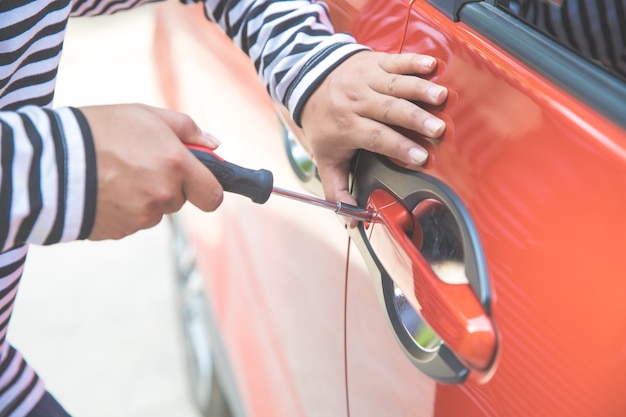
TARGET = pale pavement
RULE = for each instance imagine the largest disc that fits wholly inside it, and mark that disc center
(97, 319)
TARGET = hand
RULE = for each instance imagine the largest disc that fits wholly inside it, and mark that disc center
(144, 170)
(354, 105)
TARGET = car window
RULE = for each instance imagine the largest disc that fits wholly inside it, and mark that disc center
(594, 29)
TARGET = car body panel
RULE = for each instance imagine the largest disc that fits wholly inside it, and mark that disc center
(539, 173)
(274, 273)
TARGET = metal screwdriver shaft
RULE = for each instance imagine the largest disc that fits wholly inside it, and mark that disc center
(338, 207)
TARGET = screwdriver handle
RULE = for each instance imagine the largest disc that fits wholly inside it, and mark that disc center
(255, 184)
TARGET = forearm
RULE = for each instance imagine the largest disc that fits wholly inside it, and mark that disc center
(291, 43)
(48, 177)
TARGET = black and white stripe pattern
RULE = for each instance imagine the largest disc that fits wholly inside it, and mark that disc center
(43, 199)
(290, 42)
(596, 29)
(98, 8)
(38, 194)
(20, 387)
(47, 159)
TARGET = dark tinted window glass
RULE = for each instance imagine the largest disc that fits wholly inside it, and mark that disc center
(596, 29)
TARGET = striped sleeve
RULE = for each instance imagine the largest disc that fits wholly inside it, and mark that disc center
(104, 7)
(47, 177)
(291, 42)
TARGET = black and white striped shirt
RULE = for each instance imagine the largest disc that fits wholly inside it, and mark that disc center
(47, 158)
(595, 29)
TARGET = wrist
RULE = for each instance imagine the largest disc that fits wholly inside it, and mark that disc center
(321, 62)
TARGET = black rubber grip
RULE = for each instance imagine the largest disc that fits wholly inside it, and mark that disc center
(257, 185)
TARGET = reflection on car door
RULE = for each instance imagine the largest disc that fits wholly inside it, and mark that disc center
(537, 159)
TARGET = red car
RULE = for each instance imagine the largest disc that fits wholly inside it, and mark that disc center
(494, 282)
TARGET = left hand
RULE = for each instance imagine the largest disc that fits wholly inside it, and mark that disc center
(354, 105)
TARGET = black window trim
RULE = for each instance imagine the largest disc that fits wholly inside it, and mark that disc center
(451, 7)
(584, 80)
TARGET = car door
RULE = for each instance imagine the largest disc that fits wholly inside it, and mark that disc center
(272, 275)
(495, 280)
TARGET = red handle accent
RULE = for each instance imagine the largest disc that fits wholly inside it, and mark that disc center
(452, 310)
(204, 149)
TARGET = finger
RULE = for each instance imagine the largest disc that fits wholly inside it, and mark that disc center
(382, 139)
(335, 184)
(211, 141)
(204, 139)
(334, 179)
(408, 63)
(402, 113)
(200, 186)
(172, 204)
(410, 87)
(185, 127)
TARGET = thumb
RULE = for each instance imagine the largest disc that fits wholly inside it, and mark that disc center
(334, 177)
(335, 185)
(185, 128)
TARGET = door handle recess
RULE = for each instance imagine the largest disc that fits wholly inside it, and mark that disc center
(452, 310)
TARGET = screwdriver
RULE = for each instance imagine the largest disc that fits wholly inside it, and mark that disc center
(258, 185)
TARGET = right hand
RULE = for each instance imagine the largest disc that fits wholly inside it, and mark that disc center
(144, 170)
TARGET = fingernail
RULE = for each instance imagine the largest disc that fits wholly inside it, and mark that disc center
(418, 155)
(211, 140)
(434, 126)
(428, 61)
(435, 92)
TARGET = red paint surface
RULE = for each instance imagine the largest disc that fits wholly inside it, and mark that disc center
(543, 178)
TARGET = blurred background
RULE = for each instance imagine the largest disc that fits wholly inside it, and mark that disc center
(97, 319)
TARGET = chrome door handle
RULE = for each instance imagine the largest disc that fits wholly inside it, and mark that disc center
(442, 323)
(452, 310)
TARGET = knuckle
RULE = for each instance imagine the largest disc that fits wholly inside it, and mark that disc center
(413, 116)
(163, 200)
(375, 138)
(153, 220)
(186, 121)
(173, 161)
(353, 95)
(415, 113)
(162, 196)
(345, 124)
(149, 218)
(173, 205)
(387, 109)
(184, 117)
(392, 84)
